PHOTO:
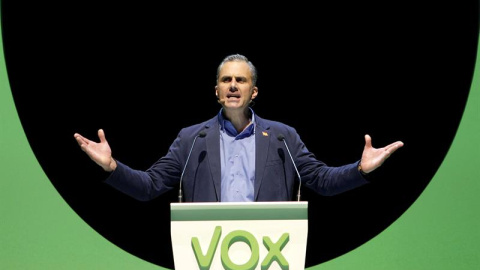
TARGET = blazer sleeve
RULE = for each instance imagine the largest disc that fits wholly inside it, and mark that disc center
(318, 176)
(161, 177)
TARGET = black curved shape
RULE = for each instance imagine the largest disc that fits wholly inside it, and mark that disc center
(396, 72)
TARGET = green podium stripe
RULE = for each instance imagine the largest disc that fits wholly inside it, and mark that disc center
(239, 211)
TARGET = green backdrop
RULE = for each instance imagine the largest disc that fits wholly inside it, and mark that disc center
(38, 230)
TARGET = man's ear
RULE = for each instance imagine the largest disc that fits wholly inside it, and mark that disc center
(254, 92)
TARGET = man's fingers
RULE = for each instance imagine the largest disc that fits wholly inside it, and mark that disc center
(392, 148)
(80, 139)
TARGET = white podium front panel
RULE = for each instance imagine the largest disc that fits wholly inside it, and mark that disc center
(234, 236)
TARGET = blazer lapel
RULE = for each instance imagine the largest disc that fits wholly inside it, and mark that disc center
(262, 143)
(213, 147)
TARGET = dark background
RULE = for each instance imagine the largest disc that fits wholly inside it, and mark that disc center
(141, 71)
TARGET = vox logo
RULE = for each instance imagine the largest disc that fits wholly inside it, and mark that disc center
(204, 259)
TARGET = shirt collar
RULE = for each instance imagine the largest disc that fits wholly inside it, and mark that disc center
(228, 127)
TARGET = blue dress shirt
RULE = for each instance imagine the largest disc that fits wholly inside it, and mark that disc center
(237, 157)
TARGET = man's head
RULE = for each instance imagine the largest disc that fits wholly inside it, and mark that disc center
(236, 83)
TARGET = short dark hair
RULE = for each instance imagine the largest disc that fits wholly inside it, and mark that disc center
(239, 57)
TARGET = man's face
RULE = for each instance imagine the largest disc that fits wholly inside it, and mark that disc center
(234, 86)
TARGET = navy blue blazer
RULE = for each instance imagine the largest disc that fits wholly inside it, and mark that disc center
(275, 174)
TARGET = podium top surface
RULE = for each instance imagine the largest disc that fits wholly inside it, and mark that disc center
(239, 211)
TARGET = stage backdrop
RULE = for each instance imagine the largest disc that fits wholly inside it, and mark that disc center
(40, 230)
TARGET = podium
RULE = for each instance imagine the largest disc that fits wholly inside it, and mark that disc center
(237, 236)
